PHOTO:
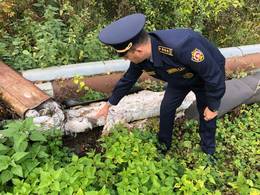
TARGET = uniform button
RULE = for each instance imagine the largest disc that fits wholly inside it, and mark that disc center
(188, 75)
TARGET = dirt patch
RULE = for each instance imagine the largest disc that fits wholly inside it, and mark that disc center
(84, 142)
(6, 112)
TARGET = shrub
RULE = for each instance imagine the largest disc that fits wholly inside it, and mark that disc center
(130, 164)
(57, 35)
(46, 33)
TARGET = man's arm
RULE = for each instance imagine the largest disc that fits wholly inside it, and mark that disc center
(121, 88)
(125, 83)
(197, 57)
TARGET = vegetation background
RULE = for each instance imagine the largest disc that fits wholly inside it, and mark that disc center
(43, 33)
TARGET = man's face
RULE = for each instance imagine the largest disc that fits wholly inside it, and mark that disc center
(136, 55)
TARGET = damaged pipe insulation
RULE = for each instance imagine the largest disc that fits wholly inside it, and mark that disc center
(106, 83)
(138, 106)
(23, 97)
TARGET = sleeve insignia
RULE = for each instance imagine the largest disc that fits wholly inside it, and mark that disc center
(165, 50)
(197, 55)
(174, 70)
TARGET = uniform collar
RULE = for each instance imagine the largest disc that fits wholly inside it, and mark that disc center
(156, 56)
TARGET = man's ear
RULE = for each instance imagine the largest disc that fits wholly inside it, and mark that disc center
(139, 49)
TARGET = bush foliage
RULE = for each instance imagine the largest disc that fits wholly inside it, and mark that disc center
(33, 162)
(42, 33)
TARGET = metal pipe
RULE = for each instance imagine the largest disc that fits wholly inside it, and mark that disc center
(19, 93)
(106, 83)
(106, 67)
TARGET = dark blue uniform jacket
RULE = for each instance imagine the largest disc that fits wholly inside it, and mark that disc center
(185, 60)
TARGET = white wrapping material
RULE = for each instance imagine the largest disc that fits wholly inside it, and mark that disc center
(133, 107)
(48, 115)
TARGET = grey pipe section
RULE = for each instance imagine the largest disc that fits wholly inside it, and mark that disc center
(105, 67)
(238, 91)
(240, 50)
(68, 71)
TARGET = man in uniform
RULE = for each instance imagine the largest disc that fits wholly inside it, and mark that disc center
(183, 58)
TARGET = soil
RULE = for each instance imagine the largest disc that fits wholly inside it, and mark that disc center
(84, 142)
(6, 113)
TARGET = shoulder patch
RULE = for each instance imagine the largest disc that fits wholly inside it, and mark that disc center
(165, 50)
(197, 55)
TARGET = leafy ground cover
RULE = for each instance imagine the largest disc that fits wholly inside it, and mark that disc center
(36, 162)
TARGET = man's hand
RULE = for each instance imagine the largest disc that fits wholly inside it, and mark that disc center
(208, 114)
(103, 112)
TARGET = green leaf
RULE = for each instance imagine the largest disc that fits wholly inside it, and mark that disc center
(28, 125)
(56, 186)
(37, 136)
(26, 52)
(16, 125)
(19, 155)
(92, 193)
(187, 144)
(16, 182)
(17, 170)
(4, 162)
(80, 192)
(43, 154)
(6, 176)
(29, 165)
(74, 158)
(3, 148)
(20, 142)
(10, 132)
(37, 4)
(35, 149)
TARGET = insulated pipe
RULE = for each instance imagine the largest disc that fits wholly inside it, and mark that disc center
(68, 71)
(238, 91)
(104, 67)
(106, 83)
(244, 63)
(107, 66)
(66, 89)
(19, 93)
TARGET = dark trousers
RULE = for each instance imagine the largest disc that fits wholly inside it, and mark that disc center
(172, 100)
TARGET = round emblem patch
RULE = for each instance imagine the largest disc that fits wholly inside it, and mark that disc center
(197, 55)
